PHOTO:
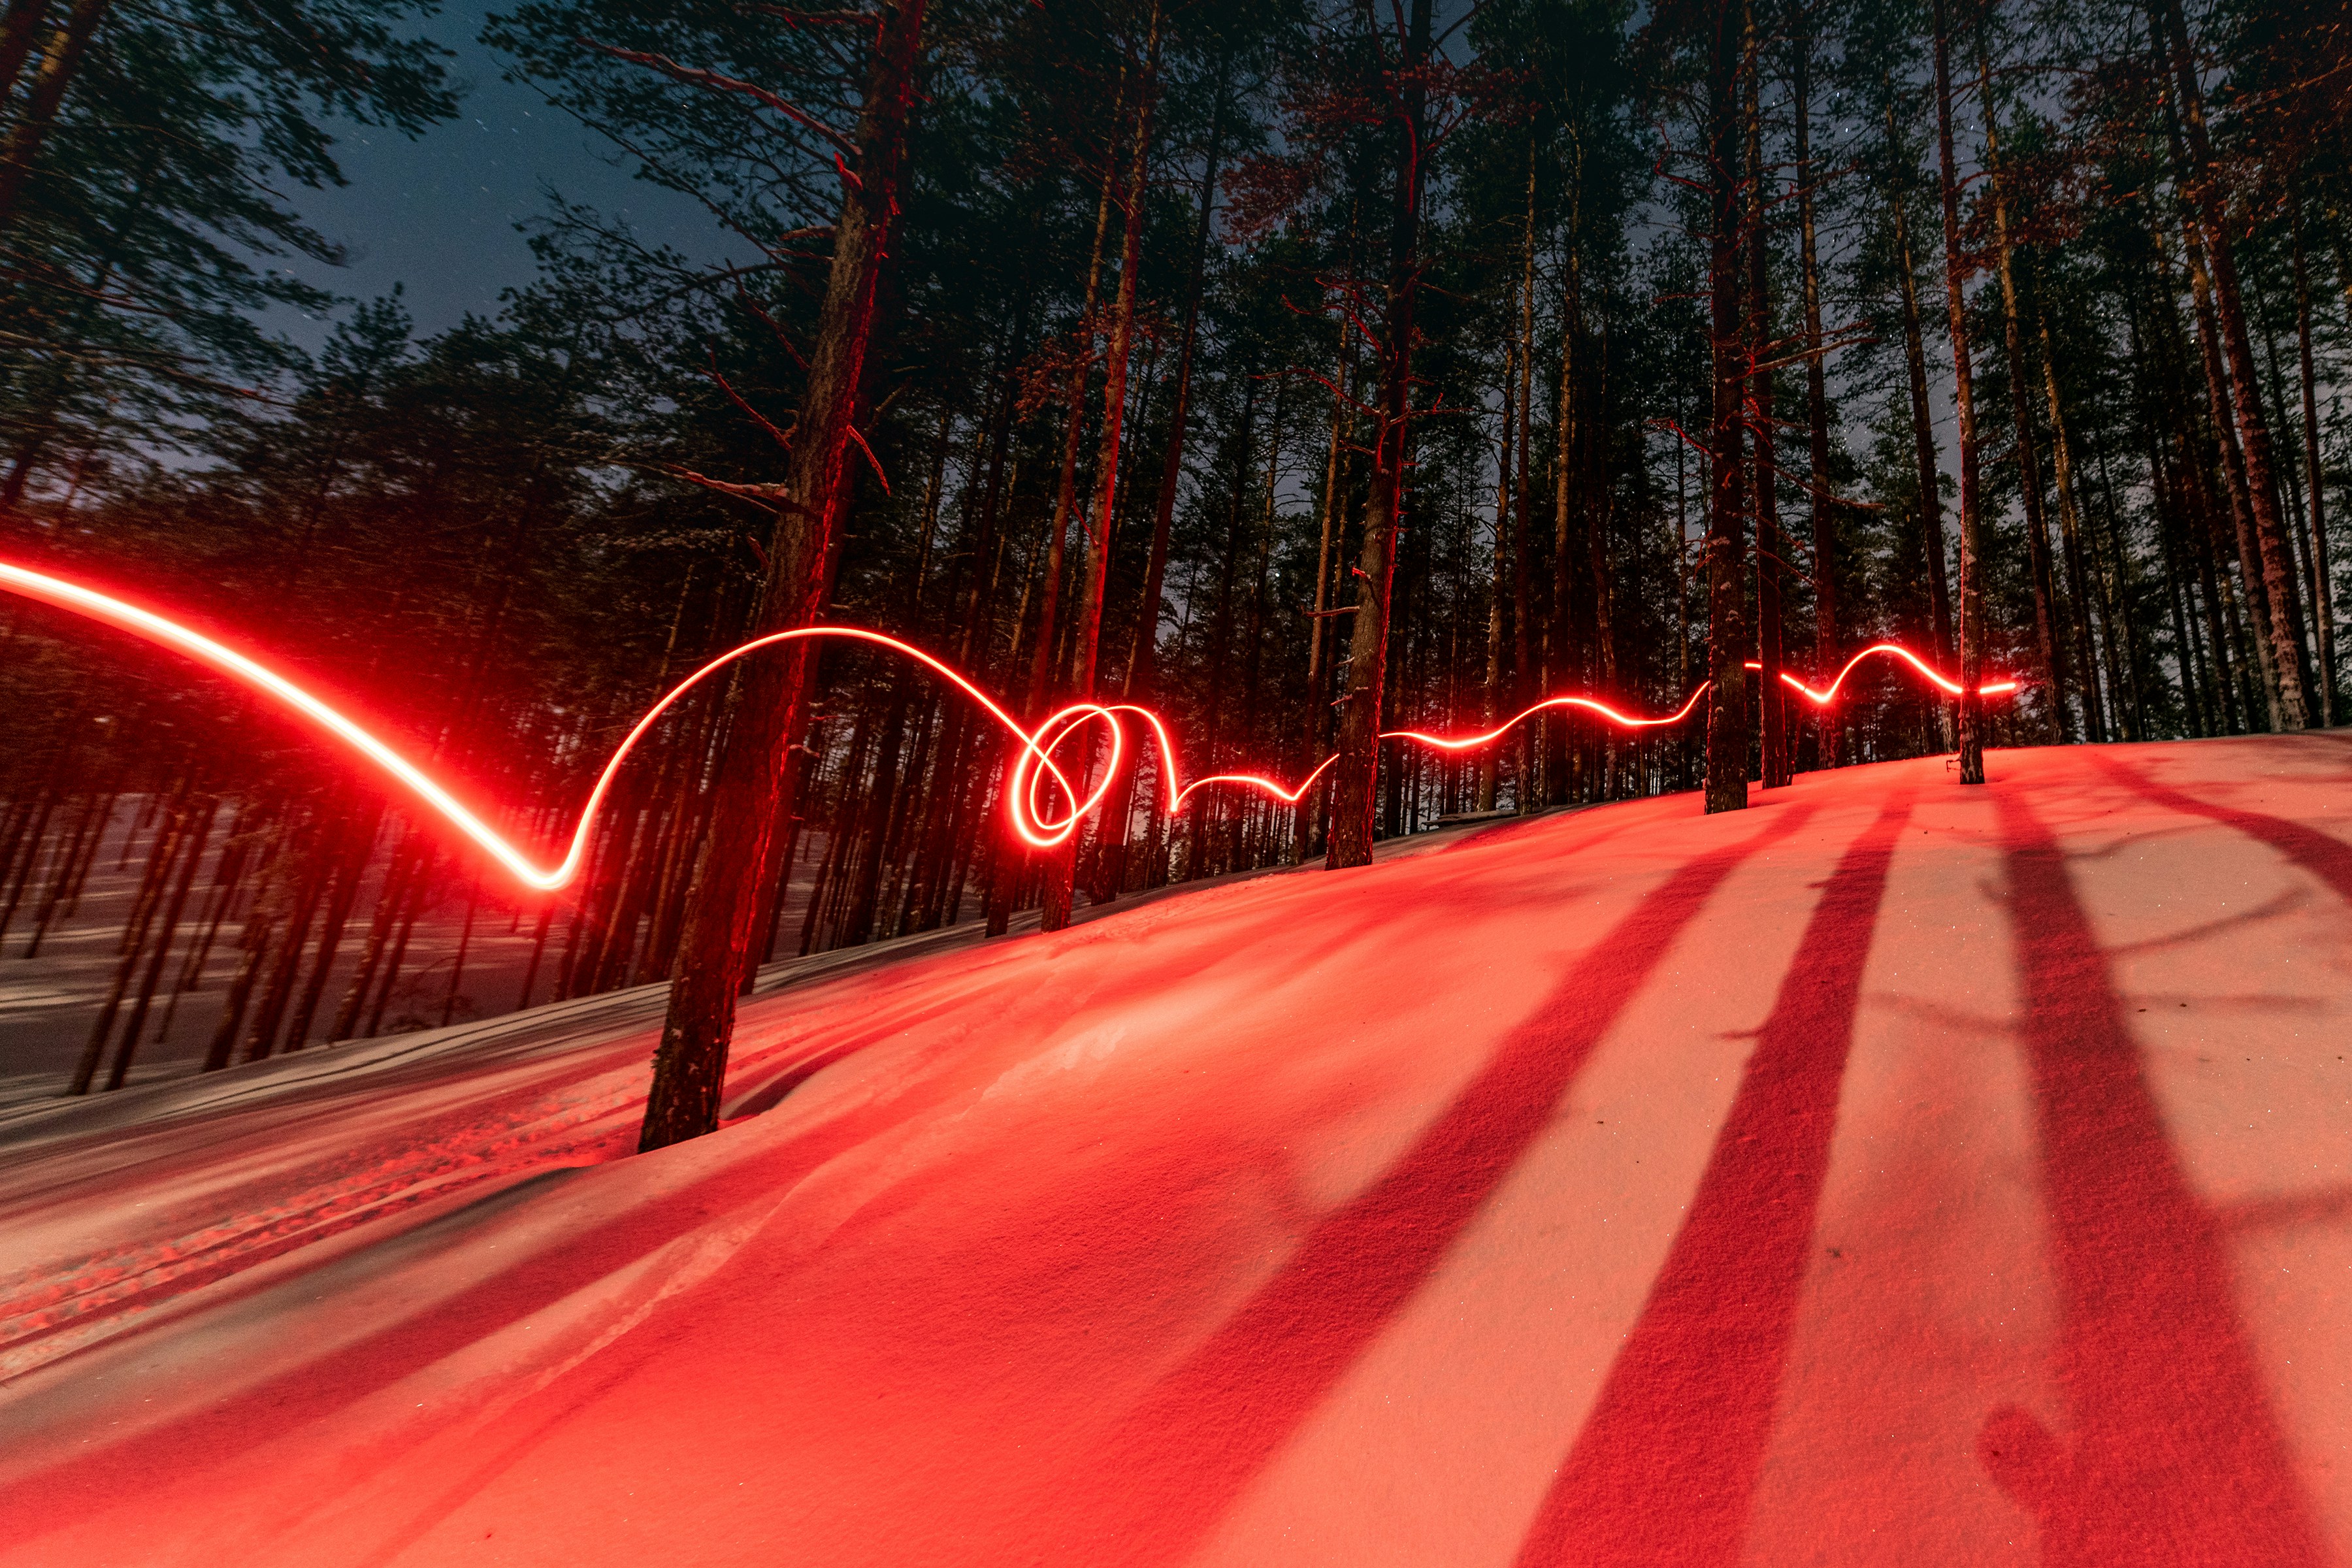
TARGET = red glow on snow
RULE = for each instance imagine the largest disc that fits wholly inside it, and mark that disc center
(1028, 801)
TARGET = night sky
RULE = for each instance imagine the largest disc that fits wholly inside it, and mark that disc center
(439, 214)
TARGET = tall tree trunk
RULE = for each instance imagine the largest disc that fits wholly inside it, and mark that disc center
(1522, 555)
(1823, 514)
(2323, 590)
(1561, 657)
(770, 694)
(1331, 547)
(118, 1070)
(1727, 720)
(2046, 641)
(1062, 867)
(2276, 556)
(1353, 795)
(1964, 407)
(1770, 691)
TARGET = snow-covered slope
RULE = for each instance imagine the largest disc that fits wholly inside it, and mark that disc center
(1889, 1174)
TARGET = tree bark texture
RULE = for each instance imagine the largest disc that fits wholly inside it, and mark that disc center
(1354, 796)
(769, 695)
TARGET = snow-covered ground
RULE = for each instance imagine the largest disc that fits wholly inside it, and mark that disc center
(1892, 1173)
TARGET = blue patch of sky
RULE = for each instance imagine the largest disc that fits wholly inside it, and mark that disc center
(441, 213)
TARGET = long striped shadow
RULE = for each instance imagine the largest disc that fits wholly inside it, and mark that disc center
(1175, 1463)
(2174, 1456)
(1666, 1468)
(2326, 857)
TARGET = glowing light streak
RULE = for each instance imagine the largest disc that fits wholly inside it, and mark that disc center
(1623, 721)
(1893, 650)
(1026, 803)
(1258, 782)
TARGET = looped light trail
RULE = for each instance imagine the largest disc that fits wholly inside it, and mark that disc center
(1025, 788)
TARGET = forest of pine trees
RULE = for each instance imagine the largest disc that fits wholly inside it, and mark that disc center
(1300, 369)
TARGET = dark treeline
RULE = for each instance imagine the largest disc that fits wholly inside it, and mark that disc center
(1300, 369)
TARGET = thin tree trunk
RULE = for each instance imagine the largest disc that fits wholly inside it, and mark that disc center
(2323, 590)
(127, 1048)
(1823, 514)
(2047, 644)
(261, 1038)
(1523, 501)
(358, 849)
(1964, 406)
(1490, 760)
(1143, 662)
(2234, 477)
(1727, 722)
(1769, 691)
(458, 960)
(1560, 655)
(152, 884)
(420, 889)
(1923, 431)
(2070, 532)
(1061, 869)
(255, 944)
(2284, 625)
(1353, 793)
(71, 865)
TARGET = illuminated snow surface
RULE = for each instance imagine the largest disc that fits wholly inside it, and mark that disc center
(1891, 1173)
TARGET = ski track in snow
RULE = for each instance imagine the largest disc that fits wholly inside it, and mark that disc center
(1891, 1173)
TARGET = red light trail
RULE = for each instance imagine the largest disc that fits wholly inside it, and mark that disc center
(1034, 763)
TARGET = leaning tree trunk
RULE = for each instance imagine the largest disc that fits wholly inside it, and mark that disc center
(1727, 720)
(729, 896)
(1354, 796)
(1964, 407)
